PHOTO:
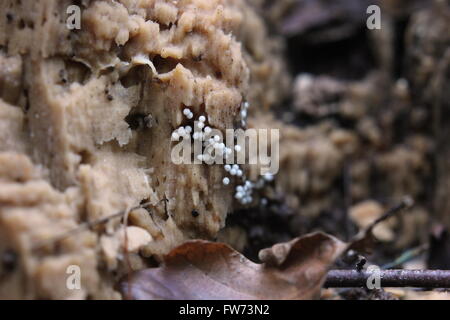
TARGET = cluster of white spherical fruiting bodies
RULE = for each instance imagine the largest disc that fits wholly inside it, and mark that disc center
(202, 132)
(244, 113)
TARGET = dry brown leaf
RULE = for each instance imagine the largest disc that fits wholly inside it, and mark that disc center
(201, 270)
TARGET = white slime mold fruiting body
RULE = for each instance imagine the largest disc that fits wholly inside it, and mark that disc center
(244, 191)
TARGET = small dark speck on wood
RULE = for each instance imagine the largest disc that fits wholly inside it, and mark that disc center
(195, 213)
(9, 17)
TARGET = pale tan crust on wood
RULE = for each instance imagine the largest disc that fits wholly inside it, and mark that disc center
(68, 155)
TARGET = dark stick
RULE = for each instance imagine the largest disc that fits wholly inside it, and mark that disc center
(390, 278)
(406, 203)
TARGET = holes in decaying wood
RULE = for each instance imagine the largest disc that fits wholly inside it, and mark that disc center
(209, 207)
(21, 23)
(25, 24)
(8, 261)
(195, 213)
(134, 77)
(166, 27)
(138, 74)
(9, 17)
(151, 262)
(144, 202)
(74, 71)
(164, 65)
(85, 157)
(78, 3)
(165, 216)
(139, 121)
(26, 101)
(77, 71)
(108, 95)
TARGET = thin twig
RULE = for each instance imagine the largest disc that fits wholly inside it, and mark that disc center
(406, 203)
(87, 226)
(365, 240)
(390, 278)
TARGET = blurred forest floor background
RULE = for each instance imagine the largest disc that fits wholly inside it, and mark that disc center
(373, 109)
